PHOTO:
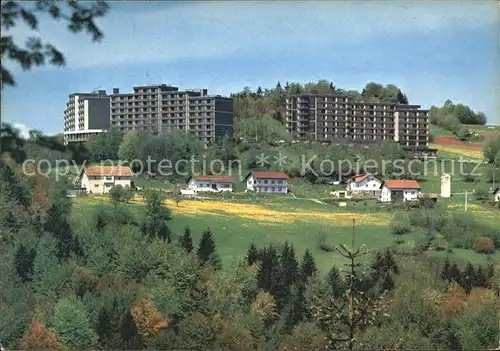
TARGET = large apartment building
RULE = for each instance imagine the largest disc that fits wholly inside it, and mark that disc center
(86, 114)
(157, 108)
(335, 117)
(163, 107)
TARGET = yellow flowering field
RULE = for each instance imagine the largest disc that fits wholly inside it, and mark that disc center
(458, 150)
(262, 214)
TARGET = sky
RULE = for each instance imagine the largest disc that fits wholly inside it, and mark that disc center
(433, 51)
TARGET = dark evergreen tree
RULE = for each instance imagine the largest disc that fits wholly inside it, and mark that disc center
(481, 279)
(99, 222)
(268, 268)
(445, 272)
(454, 274)
(289, 265)
(295, 310)
(186, 241)
(252, 254)
(131, 340)
(335, 282)
(307, 266)
(108, 325)
(59, 226)
(259, 91)
(468, 277)
(207, 251)
(23, 262)
(164, 232)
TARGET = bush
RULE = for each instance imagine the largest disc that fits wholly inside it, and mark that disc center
(400, 223)
(484, 244)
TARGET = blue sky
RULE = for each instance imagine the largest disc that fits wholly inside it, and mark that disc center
(432, 50)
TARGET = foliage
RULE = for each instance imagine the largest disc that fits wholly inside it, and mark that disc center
(186, 241)
(39, 337)
(104, 146)
(71, 325)
(147, 318)
(81, 17)
(400, 223)
(484, 244)
(491, 149)
(264, 306)
(305, 336)
(207, 251)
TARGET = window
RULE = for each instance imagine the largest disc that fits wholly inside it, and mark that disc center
(96, 185)
(280, 189)
(265, 181)
(250, 182)
(272, 189)
(272, 181)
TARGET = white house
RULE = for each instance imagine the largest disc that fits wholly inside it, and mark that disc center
(496, 195)
(210, 183)
(267, 182)
(98, 180)
(364, 183)
(405, 190)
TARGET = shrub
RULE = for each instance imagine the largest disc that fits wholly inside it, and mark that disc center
(400, 223)
(484, 244)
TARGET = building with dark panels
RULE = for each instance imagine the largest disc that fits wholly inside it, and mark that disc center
(162, 107)
(86, 114)
(153, 108)
(335, 117)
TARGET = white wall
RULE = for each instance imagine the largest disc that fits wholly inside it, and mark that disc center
(267, 185)
(103, 184)
(408, 194)
(206, 185)
(369, 184)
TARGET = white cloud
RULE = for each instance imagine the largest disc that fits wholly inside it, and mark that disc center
(222, 29)
(24, 130)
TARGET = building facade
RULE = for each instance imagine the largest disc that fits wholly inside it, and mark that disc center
(267, 182)
(334, 117)
(162, 107)
(403, 190)
(364, 183)
(86, 114)
(153, 108)
(210, 183)
(99, 180)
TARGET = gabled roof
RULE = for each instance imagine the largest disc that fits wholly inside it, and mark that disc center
(401, 184)
(358, 178)
(268, 175)
(117, 171)
(212, 178)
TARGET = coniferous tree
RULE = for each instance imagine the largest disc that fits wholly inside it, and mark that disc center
(268, 268)
(289, 265)
(445, 272)
(307, 266)
(481, 280)
(207, 251)
(58, 225)
(454, 274)
(186, 241)
(99, 222)
(129, 333)
(468, 277)
(164, 232)
(252, 254)
(23, 261)
(335, 282)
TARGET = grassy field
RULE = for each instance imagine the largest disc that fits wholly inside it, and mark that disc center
(274, 220)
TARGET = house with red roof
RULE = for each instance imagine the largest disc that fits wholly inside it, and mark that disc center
(399, 189)
(210, 183)
(364, 183)
(267, 182)
(99, 180)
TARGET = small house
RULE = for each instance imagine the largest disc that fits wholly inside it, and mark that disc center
(364, 183)
(210, 183)
(496, 195)
(267, 182)
(99, 180)
(403, 190)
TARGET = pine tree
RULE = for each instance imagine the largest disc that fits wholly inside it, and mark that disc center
(207, 251)
(58, 225)
(99, 222)
(481, 280)
(186, 241)
(468, 277)
(445, 272)
(454, 274)
(252, 254)
(307, 266)
(164, 232)
(23, 261)
(268, 268)
(129, 333)
(289, 265)
(335, 282)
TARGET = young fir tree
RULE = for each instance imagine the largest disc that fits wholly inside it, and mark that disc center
(287, 276)
(186, 241)
(252, 254)
(307, 266)
(335, 282)
(23, 262)
(445, 272)
(164, 232)
(468, 277)
(207, 251)
(268, 268)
